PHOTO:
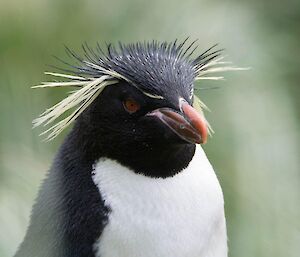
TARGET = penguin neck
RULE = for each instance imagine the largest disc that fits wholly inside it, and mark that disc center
(156, 160)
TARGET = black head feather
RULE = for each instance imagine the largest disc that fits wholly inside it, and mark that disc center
(161, 69)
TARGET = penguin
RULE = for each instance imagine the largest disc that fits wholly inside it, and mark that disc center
(131, 178)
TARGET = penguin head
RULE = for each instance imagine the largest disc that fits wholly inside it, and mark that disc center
(154, 104)
(136, 104)
(147, 118)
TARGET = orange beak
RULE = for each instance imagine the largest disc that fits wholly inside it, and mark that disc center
(189, 125)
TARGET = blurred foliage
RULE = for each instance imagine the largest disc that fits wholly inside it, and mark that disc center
(256, 114)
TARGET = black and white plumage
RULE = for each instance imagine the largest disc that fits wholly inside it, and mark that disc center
(129, 179)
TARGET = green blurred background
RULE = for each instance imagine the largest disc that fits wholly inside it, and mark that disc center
(255, 113)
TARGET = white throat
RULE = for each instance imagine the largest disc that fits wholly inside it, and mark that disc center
(154, 217)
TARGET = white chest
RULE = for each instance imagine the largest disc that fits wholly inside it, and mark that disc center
(177, 216)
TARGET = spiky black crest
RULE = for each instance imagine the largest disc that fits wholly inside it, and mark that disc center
(157, 69)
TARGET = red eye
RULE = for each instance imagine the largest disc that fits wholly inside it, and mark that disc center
(131, 106)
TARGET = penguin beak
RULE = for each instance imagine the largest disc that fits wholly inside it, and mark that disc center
(188, 124)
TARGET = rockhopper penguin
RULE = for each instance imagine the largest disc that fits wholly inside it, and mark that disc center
(130, 179)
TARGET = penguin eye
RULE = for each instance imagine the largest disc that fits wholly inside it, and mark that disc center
(131, 106)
